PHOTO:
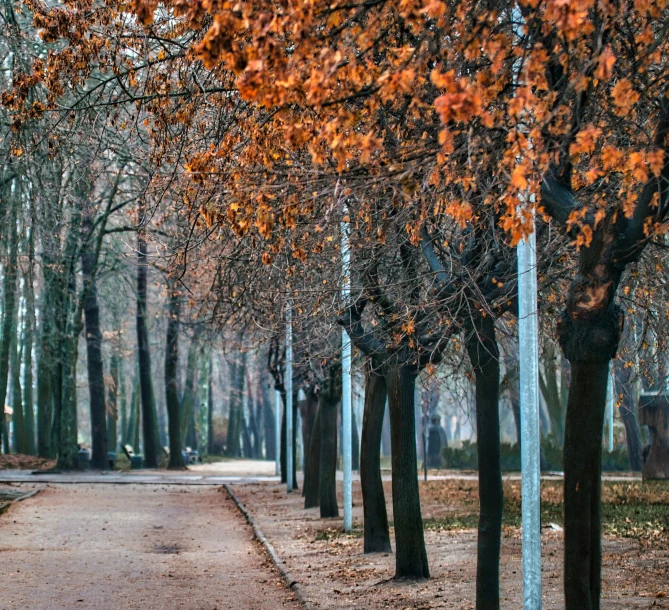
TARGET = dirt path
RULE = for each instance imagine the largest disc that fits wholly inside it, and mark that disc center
(106, 547)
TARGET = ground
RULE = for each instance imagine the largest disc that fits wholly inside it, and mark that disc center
(106, 547)
(336, 574)
(182, 544)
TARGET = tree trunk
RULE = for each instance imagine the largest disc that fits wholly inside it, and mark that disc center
(171, 387)
(484, 356)
(355, 443)
(20, 438)
(308, 408)
(96, 383)
(268, 422)
(313, 476)
(210, 406)
(589, 339)
(188, 396)
(237, 370)
(282, 449)
(410, 555)
(27, 347)
(327, 408)
(376, 532)
(629, 415)
(112, 403)
(149, 418)
(124, 403)
(8, 306)
(44, 377)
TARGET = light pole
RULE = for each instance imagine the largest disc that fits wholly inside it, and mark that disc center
(346, 377)
(288, 382)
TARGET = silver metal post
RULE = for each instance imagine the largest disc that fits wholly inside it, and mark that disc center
(346, 380)
(289, 397)
(528, 331)
(277, 432)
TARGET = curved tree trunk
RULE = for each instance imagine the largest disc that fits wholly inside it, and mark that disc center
(96, 383)
(171, 387)
(313, 475)
(328, 463)
(149, 418)
(484, 357)
(410, 555)
(376, 532)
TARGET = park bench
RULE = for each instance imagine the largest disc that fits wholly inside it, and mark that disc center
(136, 461)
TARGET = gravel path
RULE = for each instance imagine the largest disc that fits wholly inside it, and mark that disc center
(123, 547)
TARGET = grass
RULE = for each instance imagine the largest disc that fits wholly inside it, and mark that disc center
(638, 510)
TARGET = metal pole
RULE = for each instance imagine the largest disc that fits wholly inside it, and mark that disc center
(289, 397)
(346, 380)
(277, 432)
(528, 332)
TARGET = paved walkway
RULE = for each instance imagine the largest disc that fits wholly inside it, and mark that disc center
(109, 547)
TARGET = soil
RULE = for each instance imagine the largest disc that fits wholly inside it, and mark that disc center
(107, 547)
(335, 573)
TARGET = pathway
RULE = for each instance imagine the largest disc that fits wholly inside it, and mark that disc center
(104, 547)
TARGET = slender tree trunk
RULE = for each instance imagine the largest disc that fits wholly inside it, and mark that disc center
(313, 476)
(282, 449)
(484, 357)
(149, 418)
(124, 403)
(327, 407)
(410, 555)
(268, 422)
(20, 438)
(44, 377)
(233, 447)
(376, 532)
(96, 383)
(133, 419)
(210, 406)
(8, 306)
(171, 386)
(188, 397)
(308, 408)
(112, 403)
(27, 347)
(355, 442)
(629, 414)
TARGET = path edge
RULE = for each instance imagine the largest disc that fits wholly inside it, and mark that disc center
(291, 583)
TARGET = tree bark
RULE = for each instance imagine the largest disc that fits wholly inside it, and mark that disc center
(410, 555)
(8, 306)
(327, 407)
(171, 387)
(189, 393)
(313, 476)
(112, 403)
(589, 341)
(96, 383)
(629, 414)
(308, 409)
(149, 417)
(237, 370)
(376, 532)
(27, 337)
(20, 439)
(484, 356)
